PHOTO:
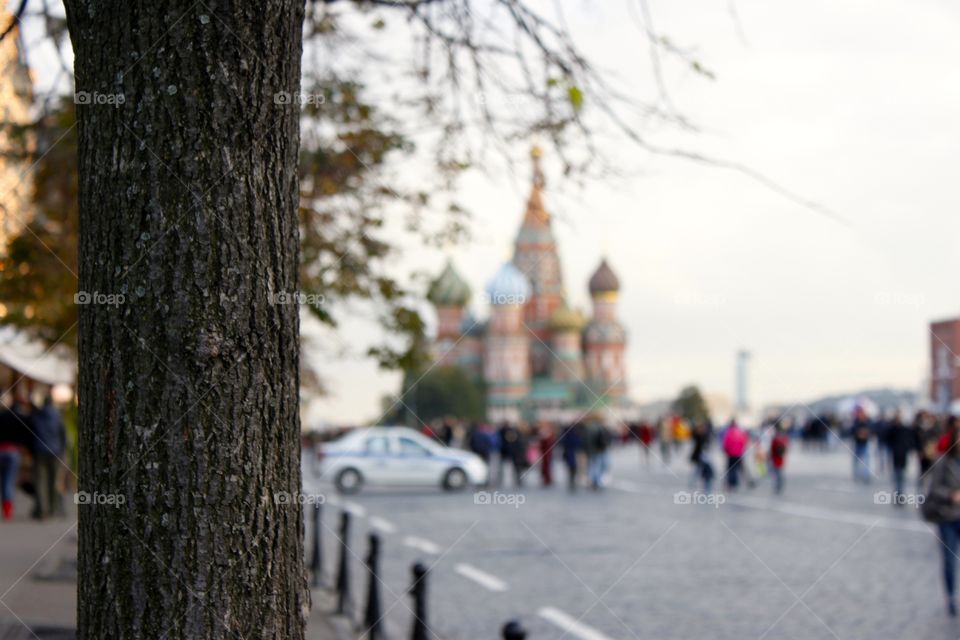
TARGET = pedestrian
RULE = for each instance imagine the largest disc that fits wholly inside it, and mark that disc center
(447, 432)
(480, 441)
(513, 453)
(702, 469)
(860, 430)
(941, 506)
(506, 436)
(665, 437)
(645, 435)
(925, 436)
(948, 438)
(547, 441)
(735, 442)
(50, 440)
(900, 440)
(599, 454)
(778, 456)
(13, 436)
(880, 435)
(571, 442)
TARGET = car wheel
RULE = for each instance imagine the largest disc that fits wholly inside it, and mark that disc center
(349, 481)
(455, 480)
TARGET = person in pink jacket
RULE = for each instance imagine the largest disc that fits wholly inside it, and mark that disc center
(735, 442)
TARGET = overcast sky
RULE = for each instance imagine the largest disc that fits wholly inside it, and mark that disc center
(854, 104)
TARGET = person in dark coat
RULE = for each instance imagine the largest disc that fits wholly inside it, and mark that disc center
(446, 432)
(900, 440)
(571, 442)
(702, 469)
(512, 452)
(547, 440)
(944, 494)
(599, 440)
(50, 442)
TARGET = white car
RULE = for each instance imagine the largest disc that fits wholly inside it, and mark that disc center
(397, 456)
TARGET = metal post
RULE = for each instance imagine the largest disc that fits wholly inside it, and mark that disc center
(373, 628)
(344, 603)
(419, 591)
(316, 561)
(513, 631)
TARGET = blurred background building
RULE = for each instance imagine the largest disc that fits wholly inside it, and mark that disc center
(536, 357)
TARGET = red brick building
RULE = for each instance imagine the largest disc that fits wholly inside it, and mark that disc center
(944, 362)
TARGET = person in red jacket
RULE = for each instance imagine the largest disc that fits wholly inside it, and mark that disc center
(949, 436)
(778, 456)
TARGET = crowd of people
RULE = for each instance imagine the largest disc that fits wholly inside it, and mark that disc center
(33, 443)
(881, 450)
(514, 450)
(517, 449)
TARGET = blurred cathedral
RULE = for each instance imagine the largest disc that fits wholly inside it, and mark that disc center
(537, 357)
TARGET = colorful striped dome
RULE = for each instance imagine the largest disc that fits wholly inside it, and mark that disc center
(566, 319)
(509, 286)
(449, 289)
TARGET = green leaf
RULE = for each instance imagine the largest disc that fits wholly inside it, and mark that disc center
(575, 95)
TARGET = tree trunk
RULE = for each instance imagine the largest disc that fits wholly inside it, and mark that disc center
(189, 382)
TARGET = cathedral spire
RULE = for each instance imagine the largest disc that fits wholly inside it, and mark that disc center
(535, 154)
(536, 215)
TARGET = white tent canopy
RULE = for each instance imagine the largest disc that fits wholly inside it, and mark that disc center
(34, 360)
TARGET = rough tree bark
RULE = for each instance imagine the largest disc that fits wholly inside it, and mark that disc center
(189, 388)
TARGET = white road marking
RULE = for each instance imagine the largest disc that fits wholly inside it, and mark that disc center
(794, 509)
(355, 509)
(804, 511)
(570, 625)
(383, 525)
(422, 544)
(482, 578)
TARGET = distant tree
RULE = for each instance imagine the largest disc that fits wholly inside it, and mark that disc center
(690, 405)
(447, 391)
(38, 274)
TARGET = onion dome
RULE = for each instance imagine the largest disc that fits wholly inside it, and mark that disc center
(449, 289)
(604, 280)
(508, 286)
(566, 319)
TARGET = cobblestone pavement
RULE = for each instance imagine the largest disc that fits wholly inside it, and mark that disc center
(827, 559)
(824, 560)
(37, 574)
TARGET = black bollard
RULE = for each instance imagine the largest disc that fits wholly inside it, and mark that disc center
(513, 631)
(344, 604)
(419, 591)
(316, 561)
(373, 628)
